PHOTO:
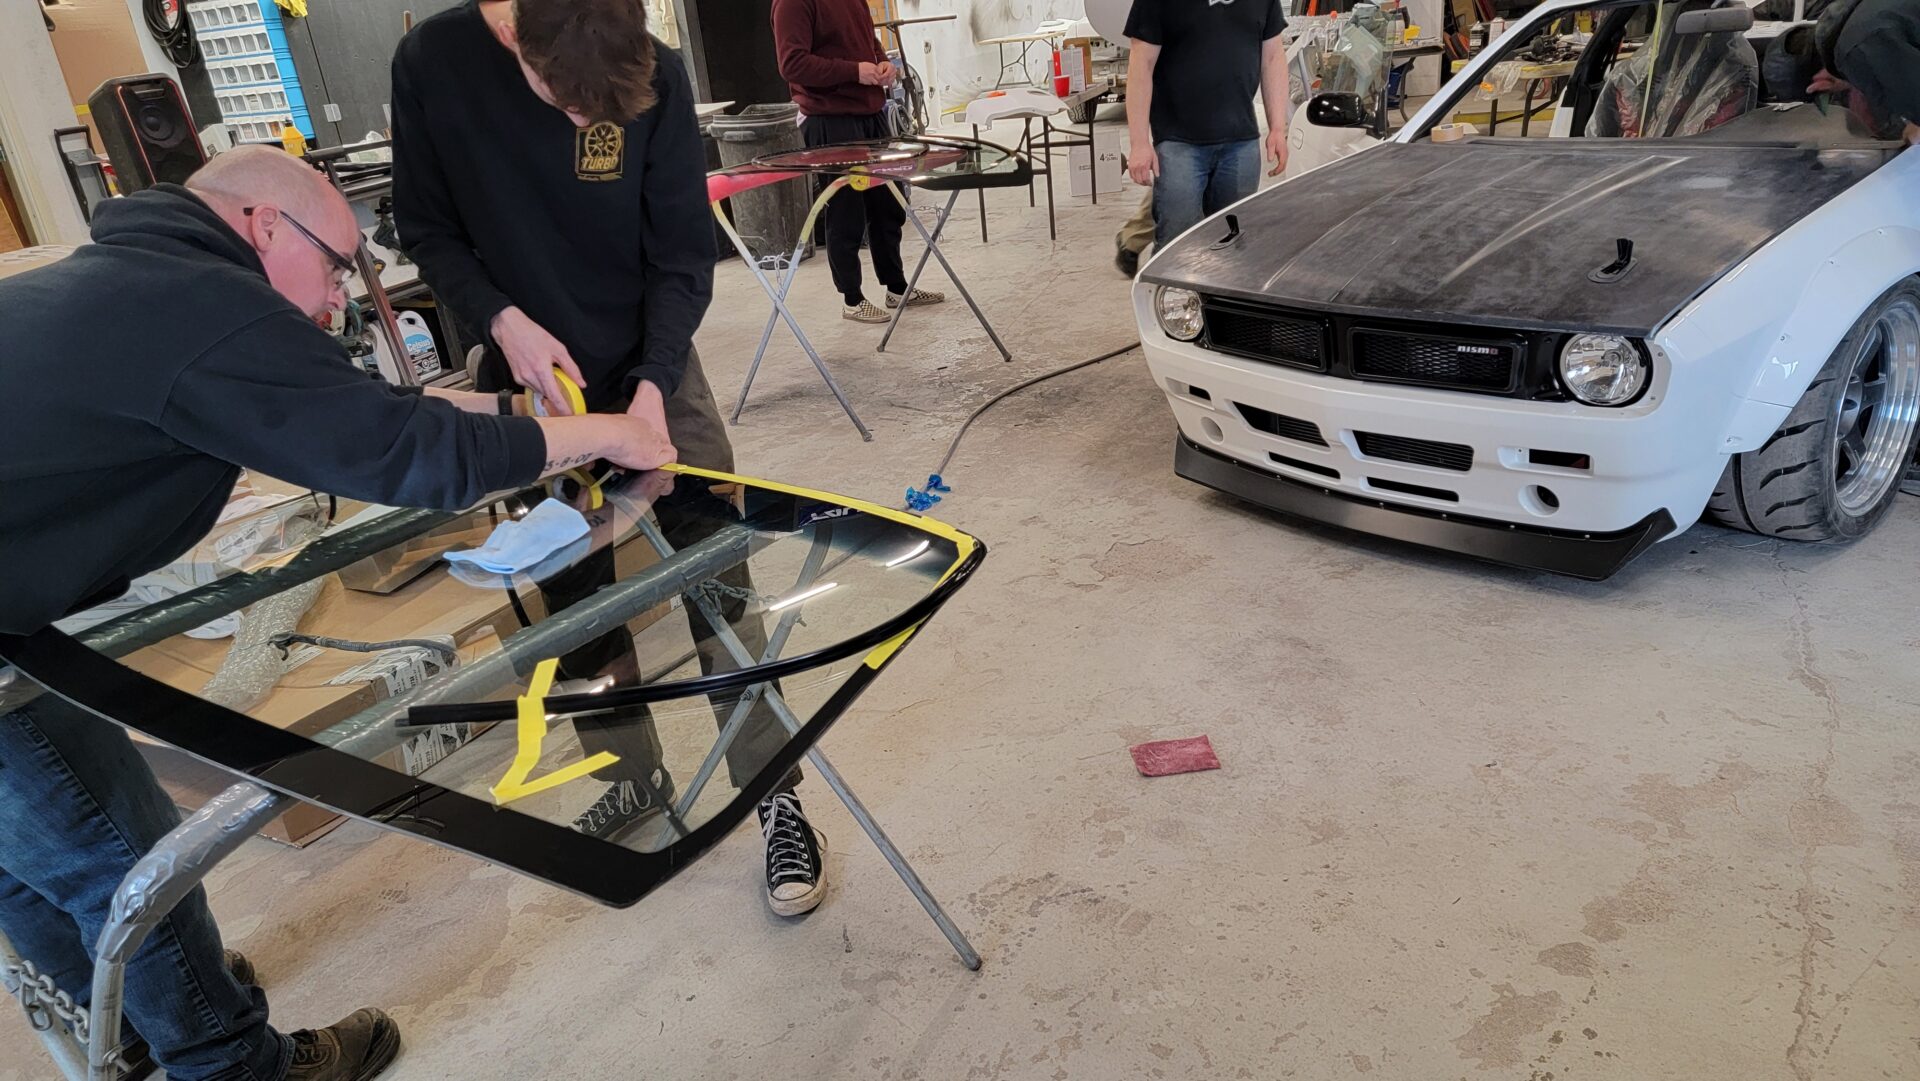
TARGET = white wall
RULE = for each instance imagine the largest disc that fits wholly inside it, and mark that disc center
(33, 102)
(954, 68)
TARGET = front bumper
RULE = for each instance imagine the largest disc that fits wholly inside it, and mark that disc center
(1592, 556)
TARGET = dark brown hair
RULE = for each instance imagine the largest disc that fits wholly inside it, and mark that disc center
(594, 55)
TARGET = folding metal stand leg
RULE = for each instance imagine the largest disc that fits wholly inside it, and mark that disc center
(933, 251)
(778, 296)
(152, 889)
(777, 641)
(724, 632)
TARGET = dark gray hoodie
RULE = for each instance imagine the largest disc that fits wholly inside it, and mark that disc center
(139, 374)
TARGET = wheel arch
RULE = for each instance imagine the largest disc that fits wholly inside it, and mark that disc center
(1766, 328)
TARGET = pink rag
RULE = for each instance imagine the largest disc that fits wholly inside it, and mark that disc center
(1165, 757)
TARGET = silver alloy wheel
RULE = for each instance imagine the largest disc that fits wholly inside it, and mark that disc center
(1876, 414)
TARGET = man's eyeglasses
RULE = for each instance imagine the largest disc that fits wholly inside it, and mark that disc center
(342, 265)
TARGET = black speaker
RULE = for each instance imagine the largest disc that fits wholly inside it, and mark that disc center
(148, 133)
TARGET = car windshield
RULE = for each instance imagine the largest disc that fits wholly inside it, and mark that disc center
(1653, 71)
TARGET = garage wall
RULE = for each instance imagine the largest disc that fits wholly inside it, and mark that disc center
(95, 41)
(956, 70)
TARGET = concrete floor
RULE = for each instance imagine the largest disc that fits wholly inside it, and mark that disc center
(1472, 823)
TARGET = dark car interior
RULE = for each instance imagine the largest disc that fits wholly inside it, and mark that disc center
(1645, 72)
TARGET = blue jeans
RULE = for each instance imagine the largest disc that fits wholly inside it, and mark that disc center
(1197, 181)
(78, 806)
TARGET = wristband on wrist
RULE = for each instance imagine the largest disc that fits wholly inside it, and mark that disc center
(506, 402)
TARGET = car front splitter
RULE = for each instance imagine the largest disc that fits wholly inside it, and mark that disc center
(1592, 556)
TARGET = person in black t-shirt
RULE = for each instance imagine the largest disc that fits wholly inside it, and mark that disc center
(550, 182)
(1190, 82)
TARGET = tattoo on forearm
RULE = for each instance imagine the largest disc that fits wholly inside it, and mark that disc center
(555, 465)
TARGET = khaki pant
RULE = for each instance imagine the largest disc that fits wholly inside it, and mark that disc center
(1137, 233)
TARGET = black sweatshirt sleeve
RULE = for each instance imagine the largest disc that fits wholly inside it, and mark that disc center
(280, 396)
(676, 230)
(426, 219)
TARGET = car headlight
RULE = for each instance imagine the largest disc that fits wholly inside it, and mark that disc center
(1603, 369)
(1179, 311)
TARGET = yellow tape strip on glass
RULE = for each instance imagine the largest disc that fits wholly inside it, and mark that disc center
(532, 734)
(963, 544)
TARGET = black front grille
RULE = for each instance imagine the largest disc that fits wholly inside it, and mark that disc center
(1304, 431)
(1463, 363)
(1400, 448)
(1259, 334)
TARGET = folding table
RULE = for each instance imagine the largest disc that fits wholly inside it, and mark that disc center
(936, 163)
(865, 578)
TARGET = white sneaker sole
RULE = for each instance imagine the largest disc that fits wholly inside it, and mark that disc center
(810, 900)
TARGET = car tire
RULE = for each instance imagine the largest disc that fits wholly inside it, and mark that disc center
(1834, 468)
(1082, 114)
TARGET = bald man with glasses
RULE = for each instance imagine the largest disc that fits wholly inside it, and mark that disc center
(126, 431)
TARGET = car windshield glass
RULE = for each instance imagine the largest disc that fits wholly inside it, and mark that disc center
(594, 709)
(1652, 71)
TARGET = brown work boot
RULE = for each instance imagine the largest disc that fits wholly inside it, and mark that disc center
(242, 969)
(355, 1049)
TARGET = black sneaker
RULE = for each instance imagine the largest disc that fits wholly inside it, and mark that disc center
(796, 863)
(1126, 260)
(623, 806)
(356, 1049)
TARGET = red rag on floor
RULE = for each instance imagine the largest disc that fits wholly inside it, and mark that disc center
(1165, 757)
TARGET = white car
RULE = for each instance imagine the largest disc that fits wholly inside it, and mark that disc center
(1554, 352)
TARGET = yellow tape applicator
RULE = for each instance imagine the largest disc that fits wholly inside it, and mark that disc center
(532, 734)
(537, 407)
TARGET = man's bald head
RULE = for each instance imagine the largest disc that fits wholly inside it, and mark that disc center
(274, 200)
(250, 175)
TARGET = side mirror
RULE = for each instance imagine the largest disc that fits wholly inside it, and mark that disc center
(1336, 110)
(1734, 19)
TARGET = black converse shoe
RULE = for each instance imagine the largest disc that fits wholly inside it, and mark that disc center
(796, 863)
(621, 807)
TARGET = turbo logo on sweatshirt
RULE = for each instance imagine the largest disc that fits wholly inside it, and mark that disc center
(599, 151)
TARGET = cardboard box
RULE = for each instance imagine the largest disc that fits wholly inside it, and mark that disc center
(1085, 172)
(307, 701)
(1076, 63)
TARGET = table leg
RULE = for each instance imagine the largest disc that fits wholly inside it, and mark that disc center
(1026, 143)
(1493, 117)
(1093, 155)
(1526, 108)
(982, 193)
(1046, 138)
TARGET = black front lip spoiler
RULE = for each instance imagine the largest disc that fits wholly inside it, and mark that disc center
(1592, 556)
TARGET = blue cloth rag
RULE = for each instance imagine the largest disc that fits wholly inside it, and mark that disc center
(516, 545)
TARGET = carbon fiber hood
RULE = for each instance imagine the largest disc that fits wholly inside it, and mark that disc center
(1497, 232)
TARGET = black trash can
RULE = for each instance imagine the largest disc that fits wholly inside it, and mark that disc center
(769, 218)
(722, 245)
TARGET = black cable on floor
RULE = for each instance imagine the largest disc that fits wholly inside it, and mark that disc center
(1017, 388)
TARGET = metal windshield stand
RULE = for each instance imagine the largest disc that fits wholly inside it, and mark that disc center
(90, 1049)
(719, 186)
(933, 250)
(724, 632)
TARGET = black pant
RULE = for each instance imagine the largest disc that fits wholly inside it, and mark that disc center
(685, 518)
(874, 213)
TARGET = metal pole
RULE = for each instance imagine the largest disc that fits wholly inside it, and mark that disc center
(158, 882)
(373, 731)
(934, 247)
(816, 557)
(724, 632)
(790, 272)
(918, 268)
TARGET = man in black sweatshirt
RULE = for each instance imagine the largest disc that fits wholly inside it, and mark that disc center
(125, 433)
(550, 182)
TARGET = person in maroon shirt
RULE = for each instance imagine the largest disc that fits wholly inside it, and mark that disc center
(839, 76)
